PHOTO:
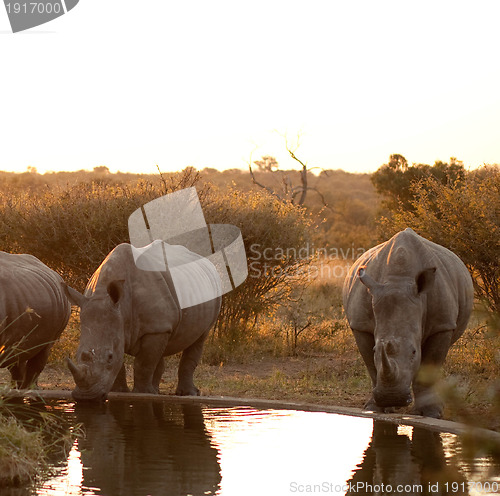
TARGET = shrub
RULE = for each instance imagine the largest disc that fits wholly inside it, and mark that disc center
(73, 229)
(464, 217)
(274, 233)
(394, 180)
(21, 452)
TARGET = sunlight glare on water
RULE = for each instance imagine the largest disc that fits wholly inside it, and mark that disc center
(68, 481)
(280, 451)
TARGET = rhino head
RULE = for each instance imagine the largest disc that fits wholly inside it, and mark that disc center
(100, 353)
(399, 312)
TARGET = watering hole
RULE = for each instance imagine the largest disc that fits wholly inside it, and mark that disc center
(129, 447)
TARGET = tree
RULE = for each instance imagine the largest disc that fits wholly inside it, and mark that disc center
(464, 216)
(101, 169)
(294, 194)
(394, 180)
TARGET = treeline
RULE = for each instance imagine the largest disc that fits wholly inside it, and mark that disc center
(343, 206)
(83, 215)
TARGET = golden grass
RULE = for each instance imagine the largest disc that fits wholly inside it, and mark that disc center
(21, 452)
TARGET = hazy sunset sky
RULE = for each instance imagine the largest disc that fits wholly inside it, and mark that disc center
(131, 84)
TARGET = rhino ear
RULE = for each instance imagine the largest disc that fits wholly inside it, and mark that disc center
(367, 280)
(115, 290)
(74, 296)
(425, 280)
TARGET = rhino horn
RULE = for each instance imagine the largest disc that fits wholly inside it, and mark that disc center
(388, 372)
(77, 372)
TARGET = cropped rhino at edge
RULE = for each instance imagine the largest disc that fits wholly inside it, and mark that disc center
(34, 311)
(129, 310)
(407, 301)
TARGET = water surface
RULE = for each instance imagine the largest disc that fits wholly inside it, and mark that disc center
(173, 448)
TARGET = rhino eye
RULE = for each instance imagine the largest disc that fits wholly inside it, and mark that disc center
(110, 357)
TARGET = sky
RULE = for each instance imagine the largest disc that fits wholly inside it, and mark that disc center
(130, 85)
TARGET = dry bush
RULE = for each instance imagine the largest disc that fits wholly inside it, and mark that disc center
(21, 452)
(464, 217)
(73, 229)
(273, 233)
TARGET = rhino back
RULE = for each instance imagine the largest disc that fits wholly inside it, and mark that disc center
(26, 283)
(449, 301)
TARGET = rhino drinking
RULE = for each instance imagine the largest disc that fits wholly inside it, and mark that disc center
(129, 310)
(407, 301)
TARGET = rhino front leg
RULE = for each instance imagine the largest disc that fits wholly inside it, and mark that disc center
(158, 373)
(146, 363)
(434, 351)
(366, 343)
(189, 360)
(120, 384)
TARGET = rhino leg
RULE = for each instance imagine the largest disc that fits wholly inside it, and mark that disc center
(434, 351)
(25, 373)
(120, 384)
(18, 373)
(158, 373)
(146, 362)
(34, 367)
(189, 361)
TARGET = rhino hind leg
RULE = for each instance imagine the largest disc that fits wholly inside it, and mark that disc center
(189, 361)
(120, 384)
(17, 374)
(26, 374)
(434, 351)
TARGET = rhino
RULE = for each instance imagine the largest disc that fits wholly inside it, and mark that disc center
(126, 309)
(34, 311)
(407, 301)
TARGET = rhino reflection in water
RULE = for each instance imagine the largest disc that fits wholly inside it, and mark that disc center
(407, 301)
(417, 465)
(129, 310)
(147, 448)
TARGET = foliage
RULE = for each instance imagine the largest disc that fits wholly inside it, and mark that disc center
(29, 435)
(463, 216)
(20, 452)
(306, 317)
(344, 212)
(273, 233)
(33, 435)
(394, 180)
(73, 229)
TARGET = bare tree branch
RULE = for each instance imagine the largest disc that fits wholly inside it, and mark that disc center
(290, 192)
(260, 185)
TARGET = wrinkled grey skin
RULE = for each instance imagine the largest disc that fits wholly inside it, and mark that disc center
(407, 301)
(133, 311)
(34, 311)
